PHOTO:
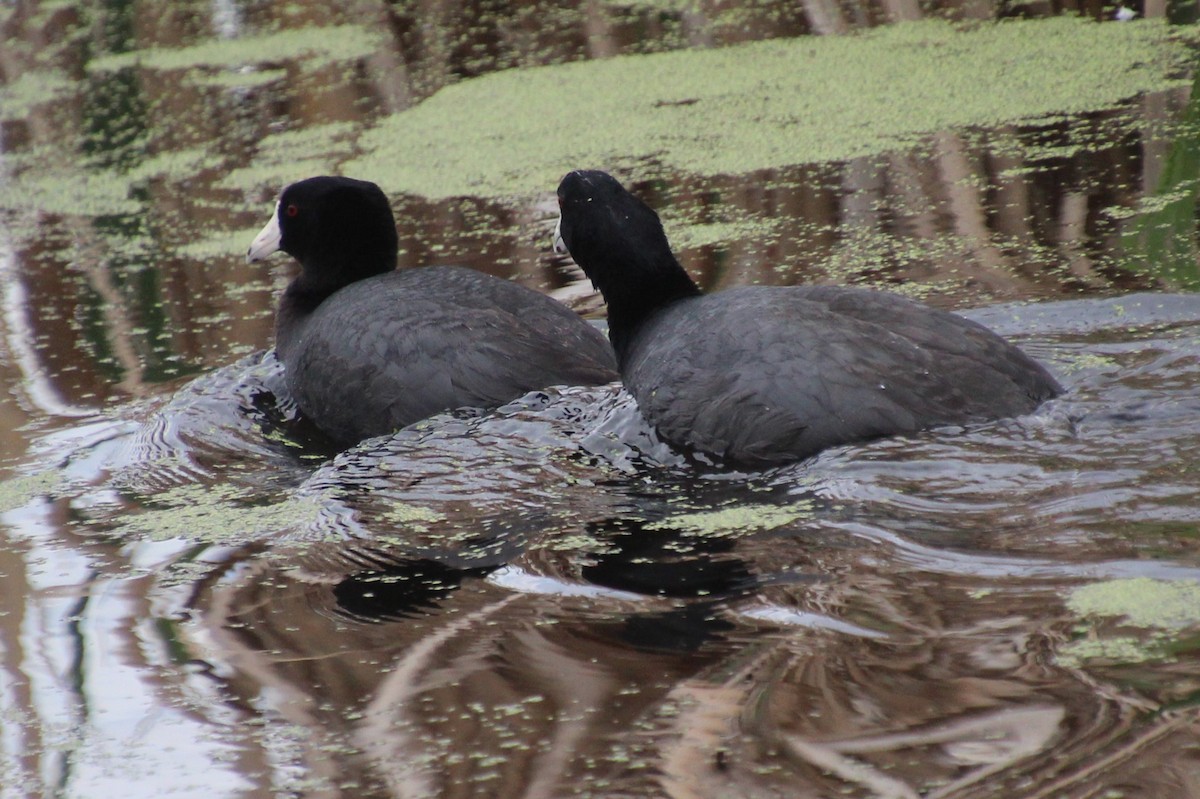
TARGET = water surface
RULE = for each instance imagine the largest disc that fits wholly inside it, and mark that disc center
(200, 598)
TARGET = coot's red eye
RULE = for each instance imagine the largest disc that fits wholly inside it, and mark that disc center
(292, 209)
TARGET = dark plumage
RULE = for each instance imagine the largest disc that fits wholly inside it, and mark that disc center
(758, 375)
(368, 349)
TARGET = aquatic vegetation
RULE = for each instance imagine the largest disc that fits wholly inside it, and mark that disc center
(289, 156)
(1160, 240)
(1121, 649)
(243, 78)
(312, 47)
(1162, 607)
(728, 110)
(16, 492)
(735, 520)
(547, 590)
(685, 234)
(220, 243)
(414, 517)
(31, 90)
(70, 191)
(763, 105)
(1141, 602)
(215, 514)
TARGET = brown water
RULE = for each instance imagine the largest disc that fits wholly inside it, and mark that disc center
(543, 601)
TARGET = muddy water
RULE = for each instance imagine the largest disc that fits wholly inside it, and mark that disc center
(201, 599)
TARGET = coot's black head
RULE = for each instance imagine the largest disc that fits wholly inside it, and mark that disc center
(340, 230)
(619, 243)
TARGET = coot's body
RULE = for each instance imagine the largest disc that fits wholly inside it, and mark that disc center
(367, 349)
(759, 375)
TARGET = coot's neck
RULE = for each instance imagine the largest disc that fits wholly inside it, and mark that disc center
(295, 306)
(661, 282)
(317, 281)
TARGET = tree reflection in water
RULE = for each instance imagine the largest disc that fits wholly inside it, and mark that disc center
(201, 598)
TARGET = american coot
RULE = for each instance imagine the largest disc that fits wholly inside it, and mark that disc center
(764, 374)
(367, 349)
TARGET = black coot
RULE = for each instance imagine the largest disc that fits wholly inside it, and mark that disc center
(368, 349)
(764, 374)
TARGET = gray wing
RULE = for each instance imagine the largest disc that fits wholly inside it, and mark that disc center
(358, 371)
(970, 352)
(756, 375)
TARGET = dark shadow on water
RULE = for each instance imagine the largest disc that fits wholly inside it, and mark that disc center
(663, 563)
(682, 630)
(401, 590)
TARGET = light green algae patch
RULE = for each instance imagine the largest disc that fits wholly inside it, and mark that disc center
(216, 514)
(762, 105)
(1156, 203)
(292, 155)
(239, 78)
(1163, 607)
(17, 492)
(663, 6)
(223, 244)
(46, 184)
(171, 164)
(735, 520)
(414, 517)
(32, 89)
(69, 192)
(1142, 601)
(310, 47)
(685, 235)
(1125, 649)
(1161, 242)
(864, 249)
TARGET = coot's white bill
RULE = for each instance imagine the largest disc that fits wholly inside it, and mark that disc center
(267, 240)
(560, 246)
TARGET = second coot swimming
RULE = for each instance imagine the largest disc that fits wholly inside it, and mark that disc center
(758, 375)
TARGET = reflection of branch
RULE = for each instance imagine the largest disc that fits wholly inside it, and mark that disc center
(293, 703)
(827, 758)
(45, 128)
(992, 741)
(825, 17)
(388, 70)
(709, 709)
(381, 736)
(863, 188)
(585, 691)
(1072, 234)
(966, 206)
(1126, 749)
(19, 338)
(1161, 242)
(903, 10)
(118, 330)
(19, 335)
(1010, 193)
(22, 621)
